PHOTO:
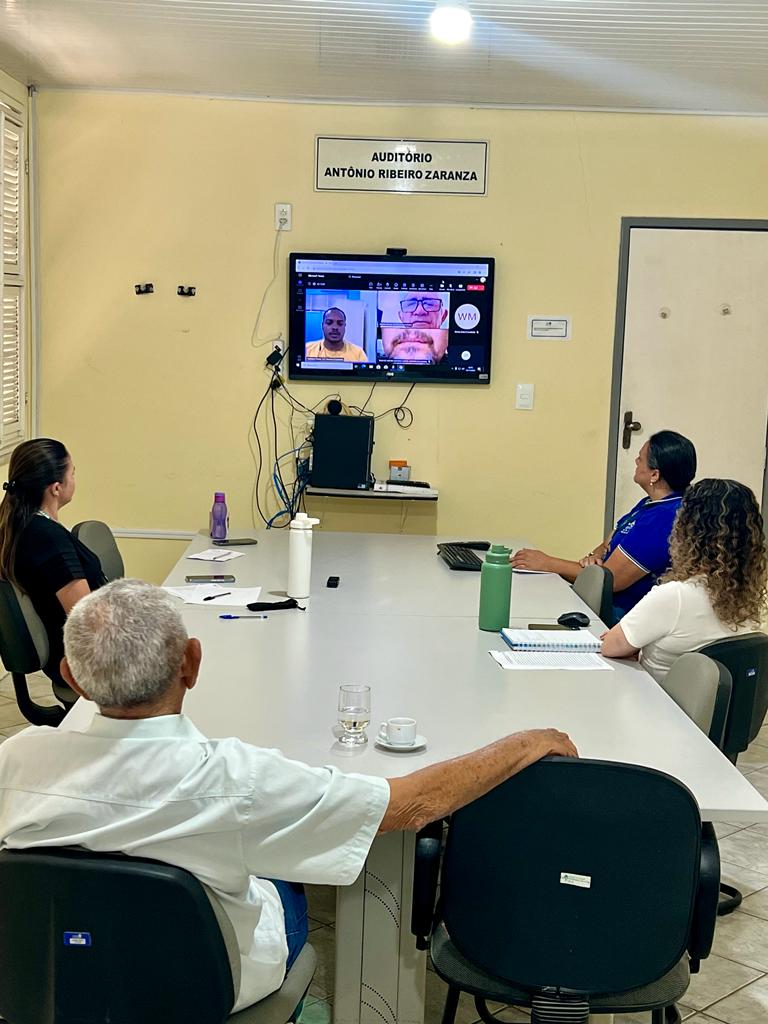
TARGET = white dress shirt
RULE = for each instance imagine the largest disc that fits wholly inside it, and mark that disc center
(672, 619)
(230, 813)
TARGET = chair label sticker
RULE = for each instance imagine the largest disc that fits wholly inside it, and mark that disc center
(77, 938)
(582, 881)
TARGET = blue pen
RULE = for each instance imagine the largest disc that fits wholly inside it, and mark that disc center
(243, 616)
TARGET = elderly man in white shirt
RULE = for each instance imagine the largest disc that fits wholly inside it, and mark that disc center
(142, 780)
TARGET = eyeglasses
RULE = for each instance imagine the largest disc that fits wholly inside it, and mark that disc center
(428, 305)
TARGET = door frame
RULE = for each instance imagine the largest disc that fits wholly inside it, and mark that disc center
(627, 224)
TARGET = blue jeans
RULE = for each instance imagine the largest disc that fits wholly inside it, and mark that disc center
(295, 909)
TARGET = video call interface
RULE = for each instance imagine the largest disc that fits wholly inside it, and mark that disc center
(379, 319)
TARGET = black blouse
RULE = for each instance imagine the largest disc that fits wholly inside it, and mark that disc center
(48, 557)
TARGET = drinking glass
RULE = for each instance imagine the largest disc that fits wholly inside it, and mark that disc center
(354, 714)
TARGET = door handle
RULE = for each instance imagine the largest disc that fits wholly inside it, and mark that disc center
(630, 427)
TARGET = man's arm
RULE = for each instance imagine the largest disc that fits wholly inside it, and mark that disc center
(440, 789)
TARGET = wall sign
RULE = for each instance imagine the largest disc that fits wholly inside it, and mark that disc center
(400, 165)
(555, 327)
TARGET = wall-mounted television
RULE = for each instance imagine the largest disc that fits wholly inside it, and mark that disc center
(424, 319)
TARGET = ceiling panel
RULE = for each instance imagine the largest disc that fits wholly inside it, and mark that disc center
(701, 55)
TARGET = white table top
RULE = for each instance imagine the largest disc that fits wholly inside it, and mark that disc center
(404, 624)
(381, 574)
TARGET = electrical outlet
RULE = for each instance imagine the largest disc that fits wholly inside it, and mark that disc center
(283, 216)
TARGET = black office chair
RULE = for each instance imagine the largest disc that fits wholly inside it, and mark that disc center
(24, 649)
(106, 939)
(575, 887)
(99, 538)
(746, 658)
(594, 585)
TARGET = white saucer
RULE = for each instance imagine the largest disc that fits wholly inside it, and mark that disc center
(418, 743)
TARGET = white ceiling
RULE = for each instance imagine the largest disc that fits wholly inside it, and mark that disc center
(698, 55)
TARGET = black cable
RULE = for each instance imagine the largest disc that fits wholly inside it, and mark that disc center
(262, 400)
(361, 411)
(278, 473)
(400, 412)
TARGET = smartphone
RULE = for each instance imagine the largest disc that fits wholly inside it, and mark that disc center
(235, 542)
(215, 578)
(546, 625)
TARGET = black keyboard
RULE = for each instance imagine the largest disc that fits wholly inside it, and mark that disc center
(457, 557)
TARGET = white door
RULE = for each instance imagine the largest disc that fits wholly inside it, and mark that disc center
(696, 350)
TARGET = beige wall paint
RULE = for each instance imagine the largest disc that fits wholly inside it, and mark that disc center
(154, 394)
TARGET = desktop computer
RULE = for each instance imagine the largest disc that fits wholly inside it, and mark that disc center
(341, 452)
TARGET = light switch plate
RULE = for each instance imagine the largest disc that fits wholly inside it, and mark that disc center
(523, 396)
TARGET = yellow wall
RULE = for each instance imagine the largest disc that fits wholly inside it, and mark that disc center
(154, 395)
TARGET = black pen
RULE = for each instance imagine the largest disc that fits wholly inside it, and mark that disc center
(214, 596)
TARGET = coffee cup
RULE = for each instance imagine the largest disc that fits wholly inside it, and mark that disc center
(400, 732)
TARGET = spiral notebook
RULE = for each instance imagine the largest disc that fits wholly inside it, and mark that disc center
(579, 641)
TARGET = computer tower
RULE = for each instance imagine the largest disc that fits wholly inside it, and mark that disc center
(342, 449)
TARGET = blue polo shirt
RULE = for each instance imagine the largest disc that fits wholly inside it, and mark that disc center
(643, 536)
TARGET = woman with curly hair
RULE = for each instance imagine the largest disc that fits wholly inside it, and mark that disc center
(715, 587)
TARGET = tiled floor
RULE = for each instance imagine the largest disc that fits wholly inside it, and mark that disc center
(732, 987)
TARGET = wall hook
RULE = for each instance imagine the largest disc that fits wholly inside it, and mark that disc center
(187, 290)
(144, 289)
(726, 309)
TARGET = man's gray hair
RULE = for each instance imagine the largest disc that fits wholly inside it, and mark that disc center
(125, 643)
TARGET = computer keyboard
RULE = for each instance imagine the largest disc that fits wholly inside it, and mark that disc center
(457, 557)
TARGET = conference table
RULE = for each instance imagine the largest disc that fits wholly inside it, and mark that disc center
(401, 622)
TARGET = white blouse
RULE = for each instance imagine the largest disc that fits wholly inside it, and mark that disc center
(672, 619)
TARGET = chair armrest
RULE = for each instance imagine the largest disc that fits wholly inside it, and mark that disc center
(705, 910)
(426, 870)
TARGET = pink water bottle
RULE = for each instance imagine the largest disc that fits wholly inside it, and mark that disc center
(219, 517)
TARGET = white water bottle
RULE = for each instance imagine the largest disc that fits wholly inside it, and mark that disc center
(300, 555)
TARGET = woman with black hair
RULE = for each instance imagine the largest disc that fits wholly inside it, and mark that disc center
(637, 552)
(37, 552)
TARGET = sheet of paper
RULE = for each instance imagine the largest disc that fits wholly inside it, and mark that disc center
(221, 596)
(215, 555)
(532, 572)
(550, 660)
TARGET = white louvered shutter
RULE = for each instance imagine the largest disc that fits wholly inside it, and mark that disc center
(12, 412)
(11, 176)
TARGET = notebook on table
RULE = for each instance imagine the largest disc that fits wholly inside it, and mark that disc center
(577, 641)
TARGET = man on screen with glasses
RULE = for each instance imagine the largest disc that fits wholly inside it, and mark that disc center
(423, 339)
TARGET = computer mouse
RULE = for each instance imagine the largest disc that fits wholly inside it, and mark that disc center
(573, 620)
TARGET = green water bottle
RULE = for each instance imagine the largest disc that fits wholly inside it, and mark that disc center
(495, 589)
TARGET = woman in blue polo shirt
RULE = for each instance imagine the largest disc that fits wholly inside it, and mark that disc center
(637, 552)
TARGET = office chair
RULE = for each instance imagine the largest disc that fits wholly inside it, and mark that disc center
(24, 649)
(98, 537)
(594, 585)
(110, 939)
(702, 687)
(746, 658)
(575, 887)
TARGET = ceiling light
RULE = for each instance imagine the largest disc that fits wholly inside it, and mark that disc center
(451, 22)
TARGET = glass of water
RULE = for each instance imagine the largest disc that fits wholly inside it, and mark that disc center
(354, 714)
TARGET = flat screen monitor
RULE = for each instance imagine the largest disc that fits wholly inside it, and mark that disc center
(424, 319)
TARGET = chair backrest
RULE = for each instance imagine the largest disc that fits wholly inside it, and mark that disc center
(101, 937)
(746, 658)
(99, 538)
(702, 687)
(594, 585)
(23, 640)
(576, 874)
